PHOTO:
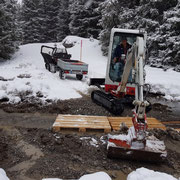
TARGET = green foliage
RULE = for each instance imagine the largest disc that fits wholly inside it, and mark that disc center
(84, 17)
(160, 18)
(8, 38)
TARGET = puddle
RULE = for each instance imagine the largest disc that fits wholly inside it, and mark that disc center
(173, 106)
(117, 175)
(31, 151)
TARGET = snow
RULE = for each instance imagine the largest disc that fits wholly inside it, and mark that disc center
(167, 82)
(138, 174)
(96, 176)
(146, 174)
(52, 179)
(3, 175)
(92, 141)
(29, 64)
(28, 60)
(19, 1)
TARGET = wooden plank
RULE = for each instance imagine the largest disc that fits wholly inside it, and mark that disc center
(171, 122)
(116, 122)
(80, 126)
(82, 123)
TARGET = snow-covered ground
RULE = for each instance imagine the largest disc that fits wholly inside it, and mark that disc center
(29, 64)
(139, 174)
(146, 174)
(167, 82)
(3, 175)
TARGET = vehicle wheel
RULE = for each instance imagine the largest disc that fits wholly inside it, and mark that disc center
(93, 98)
(61, 74)
(117, 109)
(47, 66)
(52, 68)
(79, 76)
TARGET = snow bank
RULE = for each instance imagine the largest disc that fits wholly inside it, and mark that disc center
(96, 176)
(139, 174)
(29, 63)
(167, 82)
(3, 175)
(52, 179)
(146, 174)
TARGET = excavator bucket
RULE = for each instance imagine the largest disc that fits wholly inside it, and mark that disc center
(126, 147)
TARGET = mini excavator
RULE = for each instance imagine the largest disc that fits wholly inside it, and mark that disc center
(124, 83)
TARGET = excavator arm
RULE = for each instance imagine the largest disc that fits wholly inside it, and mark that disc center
(136, 144)
(135, 63)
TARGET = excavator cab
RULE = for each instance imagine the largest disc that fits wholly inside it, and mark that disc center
(121, 45)
(117, 57)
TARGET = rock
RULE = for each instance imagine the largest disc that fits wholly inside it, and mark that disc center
(173, 134)
(4, 99)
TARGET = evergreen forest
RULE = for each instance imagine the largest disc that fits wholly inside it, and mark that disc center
(43, 21)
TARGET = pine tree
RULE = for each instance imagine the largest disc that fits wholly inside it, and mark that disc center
(84, 18)
(109, 13)
(51, 10)
(76, 10)
(161, 20)
(31, 21)
(40, 20)
(92, 20)
(8, 39)
(63, 20)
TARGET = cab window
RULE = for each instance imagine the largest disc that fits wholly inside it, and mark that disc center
(121, 43)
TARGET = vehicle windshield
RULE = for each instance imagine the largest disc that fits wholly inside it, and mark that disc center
(122, 42)
(61, 50)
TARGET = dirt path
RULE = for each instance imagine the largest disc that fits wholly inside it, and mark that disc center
(32, 153)
(27, 120)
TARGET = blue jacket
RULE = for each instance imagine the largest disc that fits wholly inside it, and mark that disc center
(119, 50)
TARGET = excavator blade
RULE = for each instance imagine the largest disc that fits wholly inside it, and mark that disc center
(123, 147)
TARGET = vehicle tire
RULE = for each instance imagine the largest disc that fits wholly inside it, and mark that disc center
(47, 66)
(79, 76)
(93, 99)
(52, 68)
(61, 74)
(117, 109)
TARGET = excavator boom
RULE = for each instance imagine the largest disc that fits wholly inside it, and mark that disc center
(136, 145)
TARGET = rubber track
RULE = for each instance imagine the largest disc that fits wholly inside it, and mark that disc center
(106, 100)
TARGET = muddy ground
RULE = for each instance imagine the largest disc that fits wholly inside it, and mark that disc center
(29, 150)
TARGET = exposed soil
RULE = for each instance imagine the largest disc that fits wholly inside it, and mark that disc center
(31, 151)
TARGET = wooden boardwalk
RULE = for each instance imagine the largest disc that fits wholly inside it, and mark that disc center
(116, 122)
(82, 123)
(172, 124)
